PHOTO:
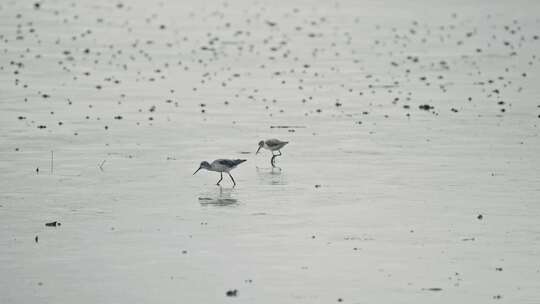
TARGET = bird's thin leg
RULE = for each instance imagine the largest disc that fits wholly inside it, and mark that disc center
(232, 178)
(219, 181)
(273, 160)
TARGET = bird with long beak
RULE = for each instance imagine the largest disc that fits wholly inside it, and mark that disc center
(272, 145)
(221, 165)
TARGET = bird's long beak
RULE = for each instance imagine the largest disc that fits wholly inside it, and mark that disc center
(258, 150)
(197, 170)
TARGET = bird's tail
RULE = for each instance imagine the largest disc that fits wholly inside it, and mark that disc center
(239, 161)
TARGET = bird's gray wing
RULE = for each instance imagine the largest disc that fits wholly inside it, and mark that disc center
(274, 142)
(226, 162)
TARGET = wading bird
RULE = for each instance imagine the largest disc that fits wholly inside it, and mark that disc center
(221, 165)
(272, 145)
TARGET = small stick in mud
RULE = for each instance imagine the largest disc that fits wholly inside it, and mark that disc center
(101, 165)
(52, 162)
(53, 224)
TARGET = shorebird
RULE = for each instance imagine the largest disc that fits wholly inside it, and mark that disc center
(272, 145)
(221, 165)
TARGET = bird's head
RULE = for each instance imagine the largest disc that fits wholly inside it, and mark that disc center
(203, 165)
(261, 144)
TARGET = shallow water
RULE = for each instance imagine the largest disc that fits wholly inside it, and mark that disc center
(372, 201)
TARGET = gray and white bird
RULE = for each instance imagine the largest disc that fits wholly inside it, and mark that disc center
(272, 145)
(221, 165)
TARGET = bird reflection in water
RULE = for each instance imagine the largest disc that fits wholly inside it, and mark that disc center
(218, 197)
(273, 176)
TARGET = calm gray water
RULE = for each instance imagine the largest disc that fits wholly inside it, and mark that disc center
(411, 175)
